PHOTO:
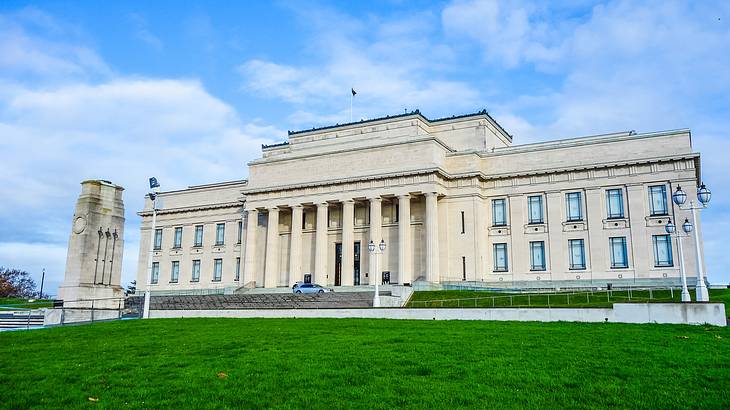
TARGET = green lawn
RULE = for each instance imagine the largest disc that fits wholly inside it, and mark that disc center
(355, 363)
(470, 298)
(23, 303)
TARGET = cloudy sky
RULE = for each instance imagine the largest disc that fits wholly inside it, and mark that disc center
(187, 91)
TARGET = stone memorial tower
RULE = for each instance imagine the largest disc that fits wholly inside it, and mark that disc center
(95, 248)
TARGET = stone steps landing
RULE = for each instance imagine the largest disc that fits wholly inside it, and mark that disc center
(332, 300)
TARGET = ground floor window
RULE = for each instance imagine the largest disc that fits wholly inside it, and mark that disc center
(238, 269)
(196, 271)
(175, 271)
(662, 250)
(155, 272)
(537, 255)
(500, 257)
(217, 270)
(577, 254)
(619, 257)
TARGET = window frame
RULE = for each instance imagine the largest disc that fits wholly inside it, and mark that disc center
(541, 246)
(174, 271)
(665, 204)
(157, 245)
(625, 251)
(568, 216)
(503, 202)
(500, 247)
(240, 232)
(668, 243)
(195, 273)
(530, 221)
(612, 215)
(198, 239)
(238, 269)
(217, 270)
(220, 234)
(155, 276)
(571, 263)
(177, 238)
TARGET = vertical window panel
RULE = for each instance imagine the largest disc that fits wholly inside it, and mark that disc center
(574, 206)
(662, 250)
(614, 203)
(537, 255)
(196, 271)
(175, 272)
(177, 243)
(220, 233)
(198, 235)
(499, 212)
(658, 200)
(535, 209)
(158, 239)
(576, 247)
(500, 257)
(619, 257)
(217, 270)
(155, 272)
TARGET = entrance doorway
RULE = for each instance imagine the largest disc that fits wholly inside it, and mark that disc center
(338, 264)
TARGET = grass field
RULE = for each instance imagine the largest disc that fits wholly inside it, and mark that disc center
(355, 363)
(470, 298)
(23, 303)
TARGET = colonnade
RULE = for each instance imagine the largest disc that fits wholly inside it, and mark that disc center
(323, 267)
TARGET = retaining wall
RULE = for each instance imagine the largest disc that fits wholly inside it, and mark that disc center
(682, 313)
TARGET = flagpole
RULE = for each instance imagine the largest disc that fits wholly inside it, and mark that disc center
(351, 97)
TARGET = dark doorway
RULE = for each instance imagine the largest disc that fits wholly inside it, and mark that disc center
(338, 264)
(356, 279)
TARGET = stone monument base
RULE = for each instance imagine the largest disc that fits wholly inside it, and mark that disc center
(88, 295)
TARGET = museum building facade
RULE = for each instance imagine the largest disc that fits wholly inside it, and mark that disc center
(453, 200)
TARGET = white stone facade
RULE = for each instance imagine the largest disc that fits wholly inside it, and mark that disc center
(436, 189)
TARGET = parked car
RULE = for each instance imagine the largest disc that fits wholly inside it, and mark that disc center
(309, 288)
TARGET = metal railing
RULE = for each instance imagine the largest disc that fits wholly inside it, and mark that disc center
(573, 298)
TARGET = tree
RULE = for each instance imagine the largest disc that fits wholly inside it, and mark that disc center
(16, 283)
(131, 288)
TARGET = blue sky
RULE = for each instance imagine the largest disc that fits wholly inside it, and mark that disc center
(187, 91)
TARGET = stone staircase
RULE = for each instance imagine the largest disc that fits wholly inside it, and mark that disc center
(333, 300)
(20, 319)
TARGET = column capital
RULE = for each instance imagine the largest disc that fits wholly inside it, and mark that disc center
(429, 194)
(322, 204)
(404, 196)
(253, 211)
(348, 201)
(273, 208)
(375, 199)
(298, 206)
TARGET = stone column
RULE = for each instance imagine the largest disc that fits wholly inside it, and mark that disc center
(249, 263)
(432, 238)
(376, 223)
(348, 242)
(405, 253)
(295, 250)
(320, 256)
(271, 271)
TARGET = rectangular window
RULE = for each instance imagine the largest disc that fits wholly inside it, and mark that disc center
(534, 209)
(658, 200)
(397, 212)
(178, 238)
(175, 272)
(615, 203)
(155, 272)
(240, 231)
(574, 206)
(158, 239)
(463, 268)
(537, 255)
(463, 225)
(238, 269)
(576, 247)
(619, 257)
(196, 271)
(217, 270)
(500, 257)
(304, 220)
(499, 212)
(662, 250)
(198, 235)
(220, 233)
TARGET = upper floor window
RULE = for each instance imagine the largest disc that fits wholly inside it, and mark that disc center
(240, 231)
(499, 212)
(534, 209)
(196, 271)
(178, 238)
(577, 253)
(537, 255)
(500, 257)
(175, 272)
(658, 200)
(662, 250)
(217, 270)
(155, 272)
(158, 239)
(619, 257)
(574, 206)
(220, 233)
(614, 203)
(198, 235)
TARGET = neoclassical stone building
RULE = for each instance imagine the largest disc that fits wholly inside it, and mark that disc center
(453, 199)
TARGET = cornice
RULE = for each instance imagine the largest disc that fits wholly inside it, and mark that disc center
(165, 211)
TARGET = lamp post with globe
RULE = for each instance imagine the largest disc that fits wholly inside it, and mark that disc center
(373, 251)
(154, 190)
(679, 197)
(671, 229)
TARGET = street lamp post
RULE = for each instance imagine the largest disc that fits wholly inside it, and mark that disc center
(374, 251)
(671, 229)
(154, 189)
(703, 197)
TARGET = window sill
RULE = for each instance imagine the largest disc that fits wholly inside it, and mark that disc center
(538, 270)
(619, 267)
(663, 266)
(500, 271)
(577, 269)
(195, 281)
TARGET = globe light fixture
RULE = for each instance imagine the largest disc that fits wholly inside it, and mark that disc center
(679, 197)
(371, 247)
(670, 228)
(687, 226)
(703, 194)
(382, 246)
(376, 251)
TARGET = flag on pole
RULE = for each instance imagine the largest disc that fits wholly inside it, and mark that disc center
(353, 91)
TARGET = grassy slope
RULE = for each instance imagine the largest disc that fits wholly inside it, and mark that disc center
(23, 303)
(598, 299)
(331, 363)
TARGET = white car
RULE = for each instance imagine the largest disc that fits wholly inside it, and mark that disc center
(309, 288)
